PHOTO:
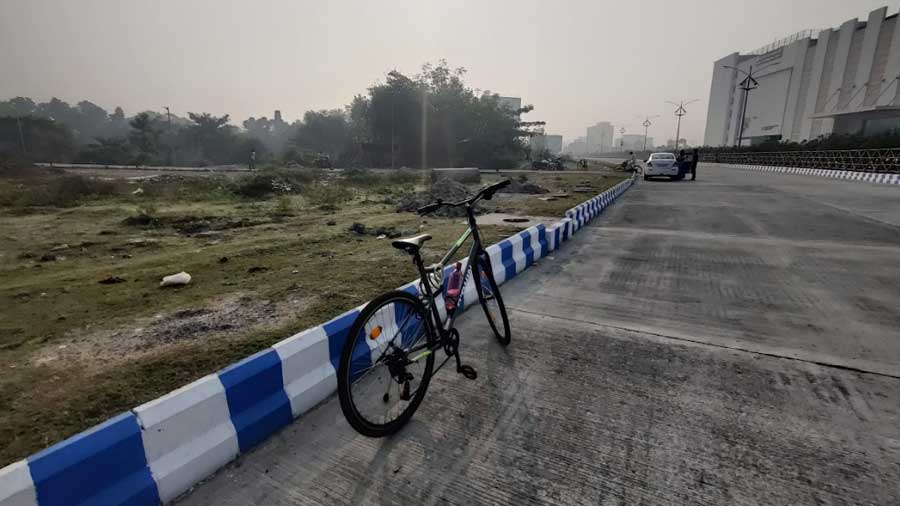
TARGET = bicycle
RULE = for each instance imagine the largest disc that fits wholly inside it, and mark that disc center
(388, 358)
(631, 166)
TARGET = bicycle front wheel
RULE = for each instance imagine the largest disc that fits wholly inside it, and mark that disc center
(386, 364)
(491, 301)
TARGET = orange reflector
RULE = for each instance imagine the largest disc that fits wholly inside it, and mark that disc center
(375, 333)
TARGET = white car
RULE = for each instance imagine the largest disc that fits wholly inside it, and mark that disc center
(661, 164)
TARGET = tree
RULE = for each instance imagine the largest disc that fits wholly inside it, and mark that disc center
(19, 106)
(45, 140)
(91, 120)
(112, 150)
(324, 132)
(434, 119)
(213, 135)
(145, 138)
(58, 110)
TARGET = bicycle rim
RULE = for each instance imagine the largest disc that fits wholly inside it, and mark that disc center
(375, 397)
(491, 301)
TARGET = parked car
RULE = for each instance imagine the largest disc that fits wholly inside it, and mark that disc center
(661, 164)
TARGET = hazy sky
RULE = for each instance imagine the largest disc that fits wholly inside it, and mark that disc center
(577, 62)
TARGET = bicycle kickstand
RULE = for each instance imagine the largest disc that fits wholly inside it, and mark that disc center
(466, 370)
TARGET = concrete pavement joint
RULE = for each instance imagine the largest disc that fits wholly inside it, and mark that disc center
(847, 211)
(708, 344)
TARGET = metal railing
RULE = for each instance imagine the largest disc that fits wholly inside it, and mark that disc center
(784, 42)
(886, 160)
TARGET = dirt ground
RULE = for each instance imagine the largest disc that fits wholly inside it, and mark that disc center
(87, 332)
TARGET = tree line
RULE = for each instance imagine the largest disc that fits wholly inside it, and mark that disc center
(430, 119)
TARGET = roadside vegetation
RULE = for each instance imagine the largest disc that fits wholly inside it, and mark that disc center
(381, 127)
(87, 332)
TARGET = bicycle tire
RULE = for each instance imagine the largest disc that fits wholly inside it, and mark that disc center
(352, 353)
(484, 278)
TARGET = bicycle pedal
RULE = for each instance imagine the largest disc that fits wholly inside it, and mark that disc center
(467, 371)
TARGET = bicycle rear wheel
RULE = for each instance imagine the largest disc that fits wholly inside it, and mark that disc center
(381, 380)
(491, 301)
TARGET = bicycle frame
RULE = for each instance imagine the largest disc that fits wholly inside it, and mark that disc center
(444, 328)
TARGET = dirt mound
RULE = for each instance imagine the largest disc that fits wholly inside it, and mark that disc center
(444, 189)
(524, 187)
(191, 225)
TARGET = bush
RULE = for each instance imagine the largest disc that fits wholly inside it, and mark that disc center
(367, 178)
(264, 184)
(361, 177)
(284, 206)
(328, 196)
(404, 177)
(65, 191)
(257, 186)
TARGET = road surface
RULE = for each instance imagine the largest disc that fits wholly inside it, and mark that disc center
(729, 341)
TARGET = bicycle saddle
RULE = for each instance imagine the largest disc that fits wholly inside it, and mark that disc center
(411, 245)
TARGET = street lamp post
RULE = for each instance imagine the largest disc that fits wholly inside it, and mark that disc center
(680, 111)
(647, 124)
(171, 159)
(747, 84)
(21, 135)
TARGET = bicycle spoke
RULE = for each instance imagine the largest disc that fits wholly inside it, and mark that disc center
(387, 336)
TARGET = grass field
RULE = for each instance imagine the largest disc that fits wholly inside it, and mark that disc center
(87, 332)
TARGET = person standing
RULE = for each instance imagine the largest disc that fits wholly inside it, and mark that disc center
(252, 159)
(695, 159)
(681, 161)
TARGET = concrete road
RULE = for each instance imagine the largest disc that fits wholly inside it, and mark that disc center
(729, 341)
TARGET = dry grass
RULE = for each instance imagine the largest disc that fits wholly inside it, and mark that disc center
(48, 393)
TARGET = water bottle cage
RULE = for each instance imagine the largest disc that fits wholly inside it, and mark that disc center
(434, 276)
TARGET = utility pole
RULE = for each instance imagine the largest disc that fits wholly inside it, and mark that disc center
(747, 84)
(680, 111)
(424, 136)
(392, 129)
(21, 135)
(171, 158)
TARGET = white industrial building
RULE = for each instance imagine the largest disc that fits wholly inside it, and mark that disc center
(600, 137)
(511, 103)
(813, 83)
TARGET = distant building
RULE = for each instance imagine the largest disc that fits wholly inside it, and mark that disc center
(600, 137)
(632, 142)
(552, 143)
(577, 148)
(670, 144)
(511, 103)
(813, 83)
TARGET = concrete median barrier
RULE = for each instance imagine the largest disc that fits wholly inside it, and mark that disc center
(844, 175)
(187, 435)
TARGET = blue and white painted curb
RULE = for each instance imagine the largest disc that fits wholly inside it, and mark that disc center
(846, 175)
(157, 451)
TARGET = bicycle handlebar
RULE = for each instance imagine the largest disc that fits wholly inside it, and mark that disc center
(486, 193)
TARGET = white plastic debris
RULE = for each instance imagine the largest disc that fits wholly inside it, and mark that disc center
(182, 278)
